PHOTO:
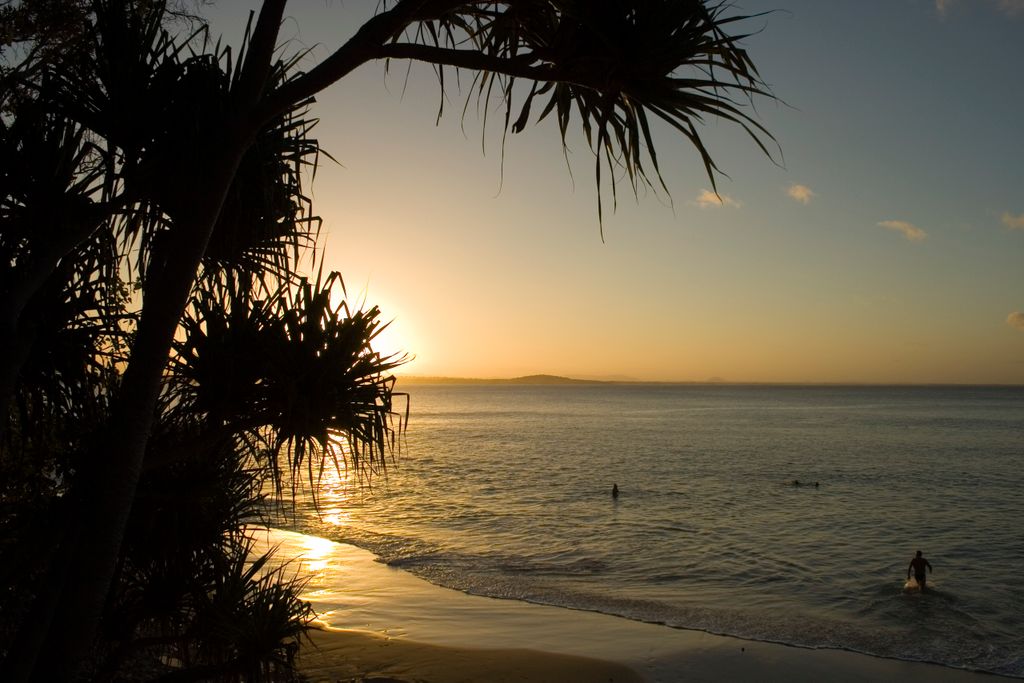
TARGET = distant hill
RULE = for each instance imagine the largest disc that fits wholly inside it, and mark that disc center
(528, 379)
(550, 379)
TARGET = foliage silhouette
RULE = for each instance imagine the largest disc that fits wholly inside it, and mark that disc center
(163, 230)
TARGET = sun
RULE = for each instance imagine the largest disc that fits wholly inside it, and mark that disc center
(396, 335)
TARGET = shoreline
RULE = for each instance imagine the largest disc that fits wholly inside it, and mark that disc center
(333, 655)
(385, 623)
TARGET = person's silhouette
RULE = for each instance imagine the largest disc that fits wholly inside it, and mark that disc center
(918, 565)
(615, 490)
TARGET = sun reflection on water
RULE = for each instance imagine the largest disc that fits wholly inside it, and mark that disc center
(325, 487)
(317, 553)
(334, 490)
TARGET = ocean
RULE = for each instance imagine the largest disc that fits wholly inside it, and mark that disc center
(786, 514)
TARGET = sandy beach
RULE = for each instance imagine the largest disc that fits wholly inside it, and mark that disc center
(386, 624)
(354, 655)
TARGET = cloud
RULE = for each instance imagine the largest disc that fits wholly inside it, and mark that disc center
(1013, 222)
(909, 230)
(1016, 319)
(800, 193)
(709, 200)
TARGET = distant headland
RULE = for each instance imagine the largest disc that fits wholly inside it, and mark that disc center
(526, 379)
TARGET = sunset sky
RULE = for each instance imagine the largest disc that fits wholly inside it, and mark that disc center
(887, 247)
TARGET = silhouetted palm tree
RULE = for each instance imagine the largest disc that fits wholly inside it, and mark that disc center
(289, 370)
(48, 219)
(183, 127)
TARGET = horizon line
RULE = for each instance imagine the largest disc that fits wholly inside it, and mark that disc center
(550, 379)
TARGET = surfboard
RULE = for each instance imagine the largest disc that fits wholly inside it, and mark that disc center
(911, 585)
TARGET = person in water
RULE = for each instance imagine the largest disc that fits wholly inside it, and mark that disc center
(615, 490)
(918, 565)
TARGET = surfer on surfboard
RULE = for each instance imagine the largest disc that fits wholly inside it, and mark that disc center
(918, 565)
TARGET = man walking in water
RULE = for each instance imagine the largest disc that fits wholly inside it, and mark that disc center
(918, 564)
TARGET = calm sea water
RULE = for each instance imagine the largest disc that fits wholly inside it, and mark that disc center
(504, 491)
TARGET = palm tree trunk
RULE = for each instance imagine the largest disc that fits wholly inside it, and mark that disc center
(101, 518)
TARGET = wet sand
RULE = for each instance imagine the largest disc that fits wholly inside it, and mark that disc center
(355, 656)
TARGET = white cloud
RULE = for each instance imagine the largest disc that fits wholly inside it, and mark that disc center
(909, 230)
(800, 193)
(1013, 222)
(1016, 319)
(709, 200)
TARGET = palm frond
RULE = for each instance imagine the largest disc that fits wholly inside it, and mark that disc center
(606, 67)
(291, 368)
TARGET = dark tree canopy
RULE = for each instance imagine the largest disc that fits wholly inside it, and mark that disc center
(161, 353)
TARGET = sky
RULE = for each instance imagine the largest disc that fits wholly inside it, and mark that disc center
(885, 247)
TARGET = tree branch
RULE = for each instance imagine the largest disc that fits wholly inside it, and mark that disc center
(361, 48)
(260, 53)
(523, 65)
